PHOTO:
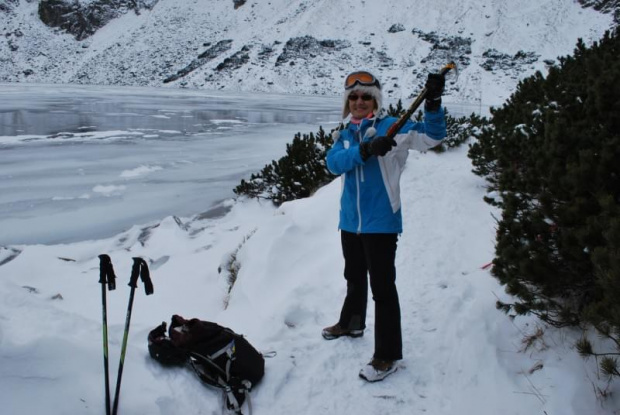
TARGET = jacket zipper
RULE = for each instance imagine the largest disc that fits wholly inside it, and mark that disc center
(359, 178)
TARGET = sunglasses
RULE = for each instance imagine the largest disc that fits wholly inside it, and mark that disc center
(355, 97)
(361, 78)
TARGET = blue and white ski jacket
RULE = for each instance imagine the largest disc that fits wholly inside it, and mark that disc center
(370, 200)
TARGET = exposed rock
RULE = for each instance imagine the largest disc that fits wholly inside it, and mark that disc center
(266, 52)
(384, 58)
(446, 48)
(235, 61)
(238, 3)
(497, 60)
(217, 49)
(30, 289)
(395, 28)
(307, 47)
(8, 254)
(206, 56)
(604, 6)
(7, 5)
(83, 20)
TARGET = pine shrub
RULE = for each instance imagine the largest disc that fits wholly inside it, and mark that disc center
(459, 130)
(296, 175)
(551, 159)
(303, 169)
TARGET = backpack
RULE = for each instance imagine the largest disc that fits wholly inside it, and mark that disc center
(219, 356)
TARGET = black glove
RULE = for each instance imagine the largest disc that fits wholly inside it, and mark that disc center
(434, 89)
(377, 147)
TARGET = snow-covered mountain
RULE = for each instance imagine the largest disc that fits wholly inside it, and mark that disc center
(296, 46)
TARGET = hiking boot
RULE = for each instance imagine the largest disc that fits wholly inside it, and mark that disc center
(335, 331)
(377, 369)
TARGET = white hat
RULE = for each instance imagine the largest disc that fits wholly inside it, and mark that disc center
(373, 91)
(362, 82)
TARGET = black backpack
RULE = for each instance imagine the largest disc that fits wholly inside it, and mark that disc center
(219, 356)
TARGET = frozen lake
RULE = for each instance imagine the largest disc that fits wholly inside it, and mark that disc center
(86, 162)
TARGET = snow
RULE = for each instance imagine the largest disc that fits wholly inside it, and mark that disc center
(139, 171)
(461, 355)
(147, 48)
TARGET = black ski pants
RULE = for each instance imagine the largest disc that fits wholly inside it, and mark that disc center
(372, 254)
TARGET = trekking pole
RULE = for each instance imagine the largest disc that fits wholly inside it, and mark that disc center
(393, 130)
(140, 269)
(106, 276)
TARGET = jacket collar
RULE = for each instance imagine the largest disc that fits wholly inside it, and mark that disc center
(363, 124)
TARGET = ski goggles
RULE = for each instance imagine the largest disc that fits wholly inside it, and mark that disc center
(361, 78)
(354, 97)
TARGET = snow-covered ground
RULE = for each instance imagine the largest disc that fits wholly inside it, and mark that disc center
(461, 355)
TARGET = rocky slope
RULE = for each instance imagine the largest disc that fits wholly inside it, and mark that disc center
(292, 46)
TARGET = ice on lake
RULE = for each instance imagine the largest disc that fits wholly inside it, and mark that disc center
(85, 162)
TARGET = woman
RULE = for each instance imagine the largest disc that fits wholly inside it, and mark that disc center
(370, 165)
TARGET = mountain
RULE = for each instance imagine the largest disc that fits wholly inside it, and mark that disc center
(299, 47)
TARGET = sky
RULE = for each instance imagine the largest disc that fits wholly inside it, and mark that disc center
(461, 355)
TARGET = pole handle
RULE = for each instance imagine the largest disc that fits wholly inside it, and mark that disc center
(106, 272)
(140, 270)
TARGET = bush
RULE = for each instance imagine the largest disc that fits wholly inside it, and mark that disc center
(296, 175)
(550, 156)
(303, 170)
(459, 130)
